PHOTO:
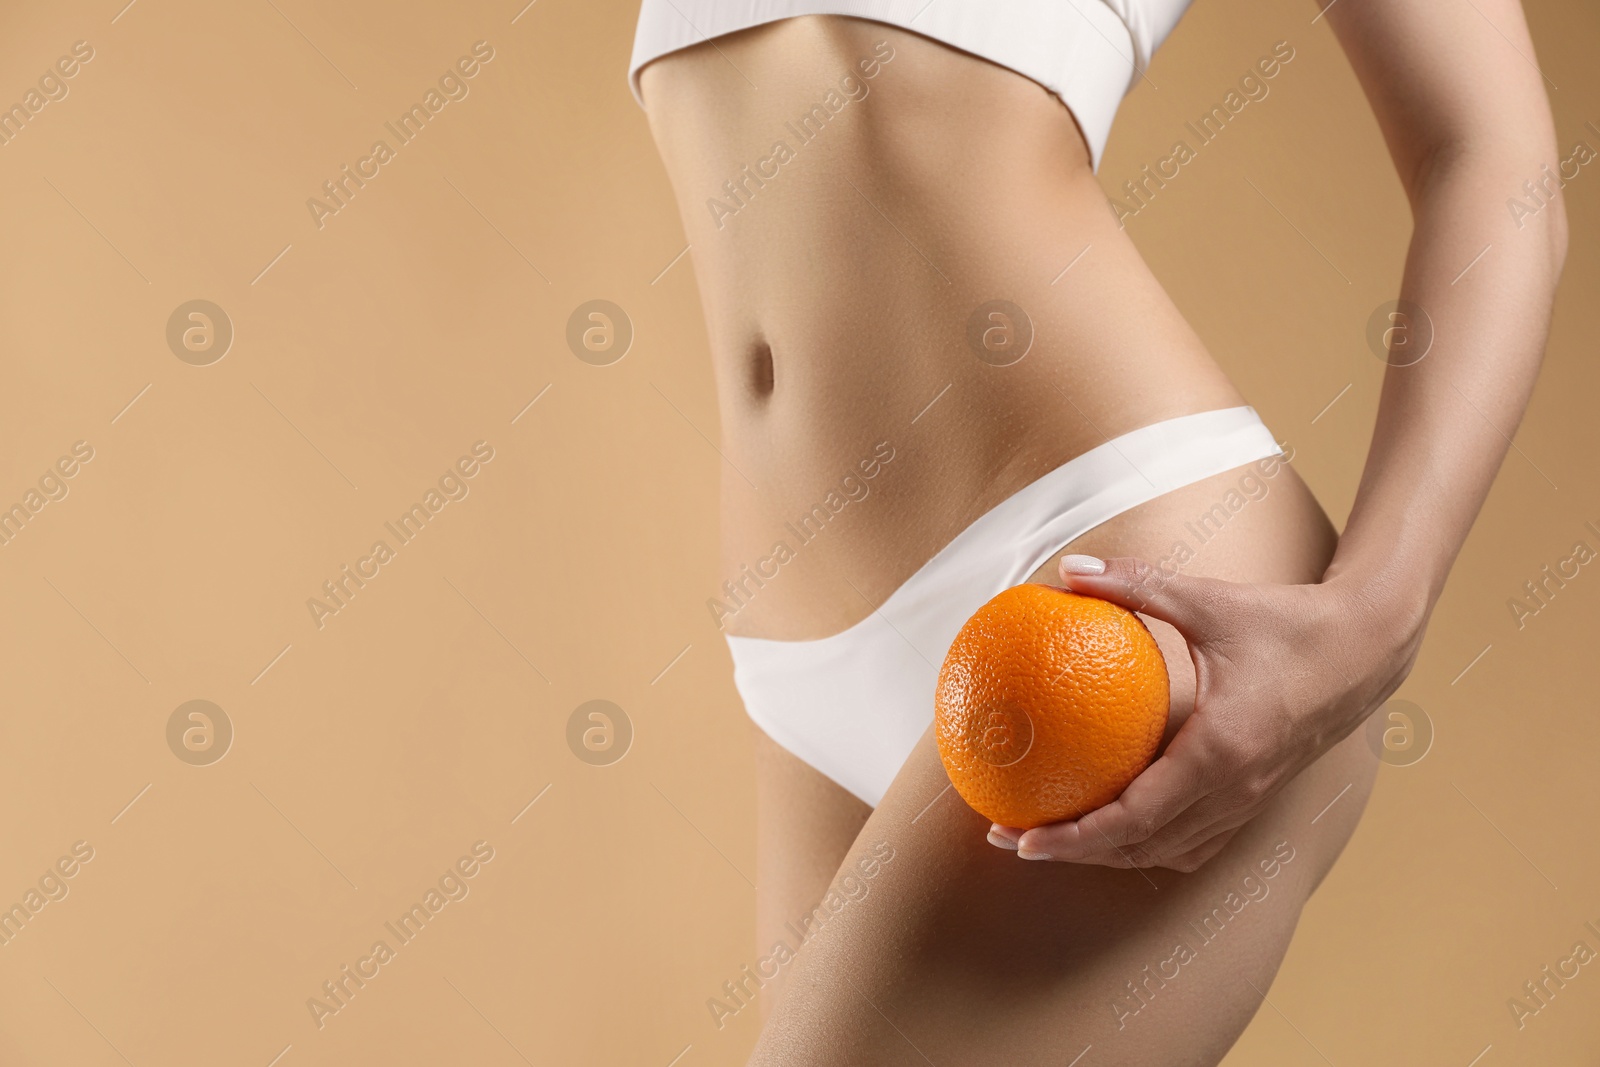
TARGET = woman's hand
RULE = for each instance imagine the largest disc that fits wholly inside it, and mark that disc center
(1282, 673)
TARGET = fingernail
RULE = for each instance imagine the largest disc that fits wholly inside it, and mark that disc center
(1082, 565)
(1001, 842)
(1025, 854)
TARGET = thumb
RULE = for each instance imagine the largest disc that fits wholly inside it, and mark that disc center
(1190, 604)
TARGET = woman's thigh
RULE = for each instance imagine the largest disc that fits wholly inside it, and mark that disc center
(805, 825)
(948, 949)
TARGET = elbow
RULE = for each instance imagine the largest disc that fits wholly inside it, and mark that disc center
(1521, 179)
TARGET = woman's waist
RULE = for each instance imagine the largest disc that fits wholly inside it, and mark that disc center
(865, 310)
(977, 387)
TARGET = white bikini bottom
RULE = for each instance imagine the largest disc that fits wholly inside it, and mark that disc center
(854, 705)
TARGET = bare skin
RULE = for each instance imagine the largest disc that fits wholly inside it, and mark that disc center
(865, 326)
(837, 300)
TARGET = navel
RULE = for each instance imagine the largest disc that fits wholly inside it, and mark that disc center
(761, 373)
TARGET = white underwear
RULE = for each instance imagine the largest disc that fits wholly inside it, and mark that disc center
(854, 705)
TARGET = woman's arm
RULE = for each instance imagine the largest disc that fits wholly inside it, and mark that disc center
(1463, 110)
(1286, 671)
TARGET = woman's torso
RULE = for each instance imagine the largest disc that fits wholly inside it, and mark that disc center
(848, 279)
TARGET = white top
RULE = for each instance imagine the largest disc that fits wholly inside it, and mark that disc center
(1086, 52)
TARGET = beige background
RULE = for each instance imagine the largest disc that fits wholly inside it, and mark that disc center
(426, 715)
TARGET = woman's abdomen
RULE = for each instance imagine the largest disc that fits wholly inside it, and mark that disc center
(925, 305)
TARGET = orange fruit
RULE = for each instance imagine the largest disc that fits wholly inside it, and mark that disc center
(1048, 705)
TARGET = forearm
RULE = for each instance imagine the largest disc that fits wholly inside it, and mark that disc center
(1445, 423)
